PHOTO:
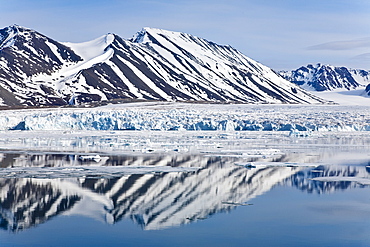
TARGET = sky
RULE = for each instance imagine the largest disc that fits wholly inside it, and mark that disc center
(282, 34)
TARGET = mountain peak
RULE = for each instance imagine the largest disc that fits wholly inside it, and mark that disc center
(155, 64)
(139, 36)
(157, 35)
(325, 77)
(143, 35)
(7, 35)
(15, 28)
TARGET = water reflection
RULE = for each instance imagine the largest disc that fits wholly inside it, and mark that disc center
(152, 200)
(309, 180)
(176, 142)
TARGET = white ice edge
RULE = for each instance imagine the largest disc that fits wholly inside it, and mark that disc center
(302, 121)
(363, 181)
(88, 171)
(278, 164)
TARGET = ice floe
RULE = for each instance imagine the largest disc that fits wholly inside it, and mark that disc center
(362, 181)
(88, 171)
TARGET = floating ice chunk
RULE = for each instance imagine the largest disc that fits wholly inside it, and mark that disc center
(297, 133)
(247, 165)
(237, 203)
(96, 158)
(181, 150)
(363, 181)
(262, 152)
(88, 171)
(276, 164)
(317, 171)
(148, 150)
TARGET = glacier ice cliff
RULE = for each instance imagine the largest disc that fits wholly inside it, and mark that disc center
(179, 116)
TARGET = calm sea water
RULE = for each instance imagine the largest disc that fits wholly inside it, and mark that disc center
(251, 197)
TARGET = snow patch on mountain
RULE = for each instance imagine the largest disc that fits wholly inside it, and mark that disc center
(90, 49)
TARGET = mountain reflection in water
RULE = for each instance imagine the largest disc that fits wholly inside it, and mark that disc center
(152, 200)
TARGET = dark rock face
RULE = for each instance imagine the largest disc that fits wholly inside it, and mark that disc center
(325, 78)
(25, 53)
(154, 65)
(367, 89)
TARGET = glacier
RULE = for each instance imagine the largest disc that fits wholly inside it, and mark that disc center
(171, 116)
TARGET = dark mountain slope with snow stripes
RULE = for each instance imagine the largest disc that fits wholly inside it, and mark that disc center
(154, 65)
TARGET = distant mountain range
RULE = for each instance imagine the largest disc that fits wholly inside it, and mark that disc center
(321, 77)
(154, 65)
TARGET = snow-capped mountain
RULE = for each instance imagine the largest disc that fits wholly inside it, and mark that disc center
(154, 65)
(321, 77)
(24, 54)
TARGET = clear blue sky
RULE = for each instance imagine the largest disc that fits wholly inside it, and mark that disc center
(282, 34)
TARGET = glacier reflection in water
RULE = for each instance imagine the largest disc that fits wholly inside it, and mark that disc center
(166, 186)
(156, 199)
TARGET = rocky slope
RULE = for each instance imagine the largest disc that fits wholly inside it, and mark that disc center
(154, 65)
(321, 77)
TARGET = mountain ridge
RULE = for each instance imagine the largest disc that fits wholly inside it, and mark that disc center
(322, 77)
(153, 65)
